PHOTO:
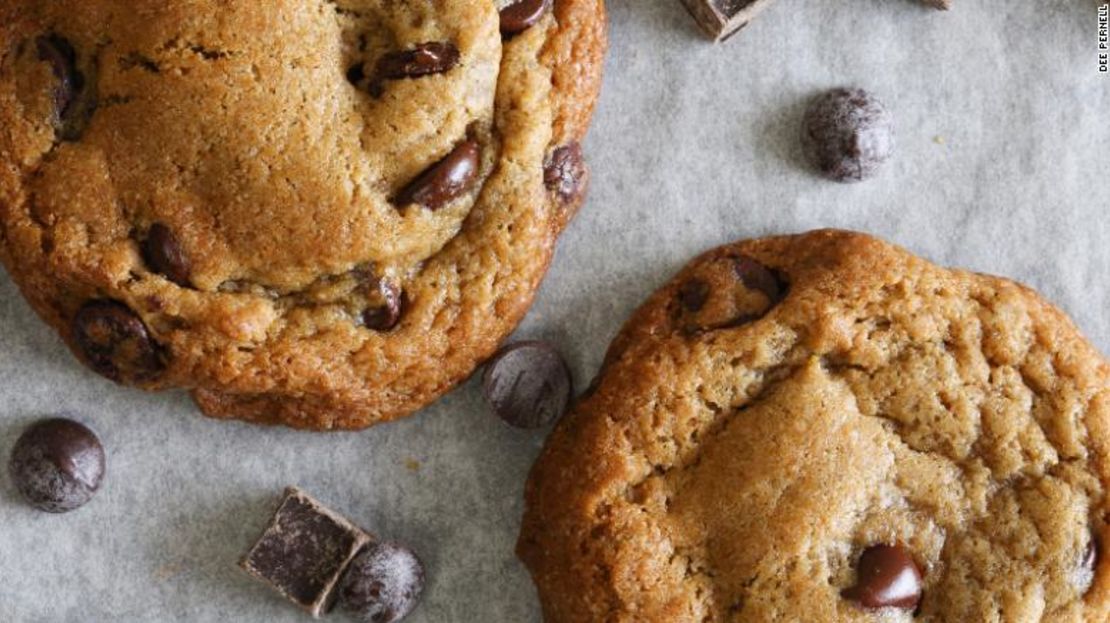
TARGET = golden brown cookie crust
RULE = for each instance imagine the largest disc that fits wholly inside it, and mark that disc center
(736, 473)
(236, 126)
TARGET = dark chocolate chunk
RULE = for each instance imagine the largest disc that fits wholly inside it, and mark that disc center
(886, 577)
(74, 102)
(384, 311)
(424, 59)
(756, 276)
(446, 180)
(163, 254)
(847, 134)
(522, 15)
(565, 172)
(383, 584)
(57, 464)
(116, 343)
(303, 552)
(720, 19)
(527, 384)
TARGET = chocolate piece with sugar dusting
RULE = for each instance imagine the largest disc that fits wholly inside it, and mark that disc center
(304, 551)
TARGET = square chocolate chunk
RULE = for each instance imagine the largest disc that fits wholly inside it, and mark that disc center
(721, 19)
(304, 551)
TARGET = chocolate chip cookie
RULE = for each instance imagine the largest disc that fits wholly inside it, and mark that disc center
(826, 428)
(319, 213)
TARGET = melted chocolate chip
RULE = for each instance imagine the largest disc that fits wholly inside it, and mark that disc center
(62, 58)
(116, 343)
(446, 180)
(886, 577)
(57, 465)
(565, 171)
(356, 74)
(756, 276)
(728, 292)
(385, 310)
(423, 60)
(74, 103)
(383, 584)
(522, 15)
(693, 294)
(527, 384)
(163, 254)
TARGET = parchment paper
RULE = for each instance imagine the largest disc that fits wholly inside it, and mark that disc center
(1002, 166)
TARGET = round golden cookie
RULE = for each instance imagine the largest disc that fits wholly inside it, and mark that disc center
(319, 213)
(826, 428)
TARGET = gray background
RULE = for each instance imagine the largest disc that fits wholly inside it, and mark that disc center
(1002, 166)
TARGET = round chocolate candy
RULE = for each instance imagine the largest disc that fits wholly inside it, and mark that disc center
(527, 384)
(848, 134)
(57, 464)
(382, 584)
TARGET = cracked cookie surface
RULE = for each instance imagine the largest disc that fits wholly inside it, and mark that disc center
(319, 213)
(788, 410)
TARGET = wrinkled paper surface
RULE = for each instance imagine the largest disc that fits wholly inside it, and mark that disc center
(1002, 166)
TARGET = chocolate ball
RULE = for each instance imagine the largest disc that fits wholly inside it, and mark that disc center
(57, 464)
(848, 134)
(382, 584)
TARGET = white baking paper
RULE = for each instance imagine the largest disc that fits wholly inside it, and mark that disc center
(1002, 166)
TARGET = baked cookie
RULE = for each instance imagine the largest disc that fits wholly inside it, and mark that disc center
(319, 213)
(826, 428)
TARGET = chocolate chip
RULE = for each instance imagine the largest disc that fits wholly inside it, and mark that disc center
(356, 74)
(887, 577)
(527, 384)
(423, 60)
(522, 15)
(565, 171)
(116, 343)
(57, 464)
(73, 101)
(163, 254)
(383, 584)
(446, 180)
(756, 276)
(693, 294)
(727, 292)
(304, 550)
(62, 58)
(385, 310)
(847, 134)
(720, 19)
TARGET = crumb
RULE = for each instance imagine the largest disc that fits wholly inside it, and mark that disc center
(168, 571)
